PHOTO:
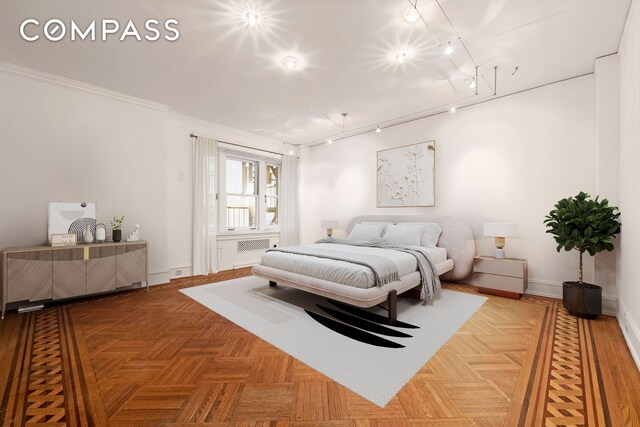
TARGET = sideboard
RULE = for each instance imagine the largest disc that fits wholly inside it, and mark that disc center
(45, 273)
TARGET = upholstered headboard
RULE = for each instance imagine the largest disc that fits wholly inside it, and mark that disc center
(457, 239)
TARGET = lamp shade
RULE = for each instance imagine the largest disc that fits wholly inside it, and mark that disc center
(329, 223)
(500, 229)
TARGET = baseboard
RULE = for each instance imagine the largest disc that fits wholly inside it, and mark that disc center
(630, 331)
(549, 289)
(159, 278)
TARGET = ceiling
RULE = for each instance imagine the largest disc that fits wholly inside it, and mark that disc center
(225, 71)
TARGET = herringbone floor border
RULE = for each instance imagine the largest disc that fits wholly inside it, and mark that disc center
(162, 359)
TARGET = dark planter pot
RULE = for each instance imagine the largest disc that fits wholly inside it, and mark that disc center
(117, 235)
(582, 299)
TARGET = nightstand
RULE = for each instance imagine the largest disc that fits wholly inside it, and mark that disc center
(506, 277)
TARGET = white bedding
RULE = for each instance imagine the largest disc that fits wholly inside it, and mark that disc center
(343, 272)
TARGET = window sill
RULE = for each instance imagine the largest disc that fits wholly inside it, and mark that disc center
(231, 235)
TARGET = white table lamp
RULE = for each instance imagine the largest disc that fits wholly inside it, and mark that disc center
(500, 230)
(329, 224)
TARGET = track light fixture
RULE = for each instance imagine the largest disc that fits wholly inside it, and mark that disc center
(473, 83)
(378, 130)
(411, 15)
(449, 49)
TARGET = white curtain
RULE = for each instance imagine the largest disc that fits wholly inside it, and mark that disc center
(289, 201)
(204, 206)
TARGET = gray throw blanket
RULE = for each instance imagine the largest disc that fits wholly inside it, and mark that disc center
(384, 270)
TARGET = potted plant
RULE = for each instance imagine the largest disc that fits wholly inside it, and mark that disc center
(586, 225)
(116, 227)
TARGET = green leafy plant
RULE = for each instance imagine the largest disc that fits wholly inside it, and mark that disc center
(584, 224)
(116, 222)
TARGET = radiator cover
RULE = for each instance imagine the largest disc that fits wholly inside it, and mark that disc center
(252, 245)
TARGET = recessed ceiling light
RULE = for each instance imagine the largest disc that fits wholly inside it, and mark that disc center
(252, 18)
(449, 49)
(290, 62)
(452, 110)
(400, 57)
(330, 141)
(378, 130)
(411, 15)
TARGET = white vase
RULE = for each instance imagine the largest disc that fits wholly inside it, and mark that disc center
(87, 236)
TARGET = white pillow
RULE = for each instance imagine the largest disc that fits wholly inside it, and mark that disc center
(377, 223)
(404, 235)
(366, 232)
(430, 235)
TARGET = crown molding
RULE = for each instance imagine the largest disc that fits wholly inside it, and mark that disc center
(216, 127)
(54, 79)
(57, 80)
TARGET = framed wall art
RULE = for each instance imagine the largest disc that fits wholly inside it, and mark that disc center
(71, 218)
(406, 176)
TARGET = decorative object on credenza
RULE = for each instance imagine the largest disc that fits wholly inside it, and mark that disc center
(500, 230)
(79, 227)
(406, 176)
(329, 225)
(116, 227)
(101, 233)
(63, 239)
(63, 218)
(87, 235)
(135, 236)
(586, 225)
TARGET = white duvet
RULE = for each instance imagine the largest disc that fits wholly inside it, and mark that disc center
(343, 272)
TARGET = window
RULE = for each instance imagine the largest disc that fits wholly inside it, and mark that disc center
(251, 191)
(242, 194)
(271, 196)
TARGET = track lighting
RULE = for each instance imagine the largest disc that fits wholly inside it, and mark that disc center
(411, 15)
(449, 49)
(378, 130)
(472, 85)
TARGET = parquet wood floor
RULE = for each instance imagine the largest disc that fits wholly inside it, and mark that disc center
(160, 358)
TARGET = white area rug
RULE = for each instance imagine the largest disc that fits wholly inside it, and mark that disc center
(376, 373)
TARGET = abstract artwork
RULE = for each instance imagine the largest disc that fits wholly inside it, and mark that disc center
(71, 218)
(406, 176)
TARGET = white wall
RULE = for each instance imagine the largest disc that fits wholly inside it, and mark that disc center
(506, 160)
(62, 140)
(607, 75)
(628, 286)
(64, 144)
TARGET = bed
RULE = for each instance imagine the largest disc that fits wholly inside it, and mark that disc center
(353, 284)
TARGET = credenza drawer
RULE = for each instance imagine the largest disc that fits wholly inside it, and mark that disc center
(500, 283)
